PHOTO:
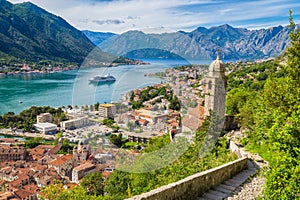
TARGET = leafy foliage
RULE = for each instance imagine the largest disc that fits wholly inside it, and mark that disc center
(275, 109)
(66, 147)
(108, 122)
(93, 184)
(150, 92)
(116, 140)
(33, 142)
(56, 191)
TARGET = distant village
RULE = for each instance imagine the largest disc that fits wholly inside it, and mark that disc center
(24, 68)
(27, 69)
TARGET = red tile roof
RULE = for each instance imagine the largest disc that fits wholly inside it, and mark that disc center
(61, 160)
(16, 183)
(106, 174)
(84, 166)
(23, 177)
(31, 188)
(22, 194)
(192, 122)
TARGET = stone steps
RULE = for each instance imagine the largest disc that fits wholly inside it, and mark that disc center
(225, 189)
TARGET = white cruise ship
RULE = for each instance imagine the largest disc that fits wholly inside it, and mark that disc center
(102, 79)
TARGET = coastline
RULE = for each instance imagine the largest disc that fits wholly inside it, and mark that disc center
(59, 69)
(37, 72)
(7, 131)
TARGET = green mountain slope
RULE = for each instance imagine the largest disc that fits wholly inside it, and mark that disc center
(31, 33)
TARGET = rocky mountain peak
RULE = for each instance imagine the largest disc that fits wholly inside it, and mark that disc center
(202, 43)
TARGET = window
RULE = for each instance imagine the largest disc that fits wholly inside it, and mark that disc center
(209, 85)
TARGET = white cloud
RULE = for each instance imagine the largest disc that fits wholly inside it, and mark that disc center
(151, 15)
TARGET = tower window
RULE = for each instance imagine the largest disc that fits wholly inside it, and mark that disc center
(209, 85)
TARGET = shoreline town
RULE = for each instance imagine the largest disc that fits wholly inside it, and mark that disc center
(171, 108)
(31, 69)
(25, 171)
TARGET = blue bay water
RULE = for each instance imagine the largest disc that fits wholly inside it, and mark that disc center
(73, 87)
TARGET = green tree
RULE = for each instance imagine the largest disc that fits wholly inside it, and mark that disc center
(117, 184)
(93, 184)
(75, 193)
(33, 142)
(131, 96)
(276, 134)
(59, 135)
(27, 118)
(236, 99)
(174, 103)
(66, 147)
(97, 106)
(130, 126)
(53, 191)
(293, 52)
(108, 122)
(116, 139)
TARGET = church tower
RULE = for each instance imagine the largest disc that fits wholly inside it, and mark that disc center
(215, 95)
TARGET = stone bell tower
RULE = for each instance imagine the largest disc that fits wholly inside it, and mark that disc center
(215, 95)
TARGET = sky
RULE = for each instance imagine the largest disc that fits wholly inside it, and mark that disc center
(158, 16)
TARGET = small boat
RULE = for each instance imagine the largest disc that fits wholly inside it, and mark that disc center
(102, 79)
(20, 101)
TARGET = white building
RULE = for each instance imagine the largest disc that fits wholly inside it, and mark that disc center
(151, 116)
(81, 171)
(45, 128)
(107, 110)
(78, 122)
(43, 118)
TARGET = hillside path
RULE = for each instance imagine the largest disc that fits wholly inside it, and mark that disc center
(247, 185)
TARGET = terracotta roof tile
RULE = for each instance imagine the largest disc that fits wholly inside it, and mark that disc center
(31, 188)
(61, 160)
(192, 122)
(22, 194)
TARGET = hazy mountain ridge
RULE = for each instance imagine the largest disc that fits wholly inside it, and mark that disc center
(202, 43)
(98, 37)
(32, 33)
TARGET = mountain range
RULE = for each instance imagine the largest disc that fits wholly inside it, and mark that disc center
(31, 33)
(202, 43)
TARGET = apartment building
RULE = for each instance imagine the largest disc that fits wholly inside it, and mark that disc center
(44, 117)
(75, 122)
(107, 110)
(14, 153)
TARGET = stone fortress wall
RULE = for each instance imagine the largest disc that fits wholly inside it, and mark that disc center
(197, 184)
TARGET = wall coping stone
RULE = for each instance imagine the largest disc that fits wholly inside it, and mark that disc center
(211, 177)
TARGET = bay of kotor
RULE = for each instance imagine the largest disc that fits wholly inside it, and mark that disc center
(73, 88)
